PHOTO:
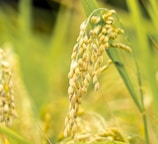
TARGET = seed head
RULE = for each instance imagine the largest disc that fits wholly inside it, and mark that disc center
(7, 106)
(95, 19)
(97, 34)
(96, 86)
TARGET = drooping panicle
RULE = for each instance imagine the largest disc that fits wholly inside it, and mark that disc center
(97, 34)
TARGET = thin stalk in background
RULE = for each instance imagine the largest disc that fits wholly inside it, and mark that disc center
(25, 17)
(154, 12)
(59, 33)
(58, 40)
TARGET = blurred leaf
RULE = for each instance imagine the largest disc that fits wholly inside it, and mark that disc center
(13, 135)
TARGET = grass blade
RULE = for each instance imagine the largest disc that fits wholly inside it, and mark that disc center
(13, 135)
(89, 6)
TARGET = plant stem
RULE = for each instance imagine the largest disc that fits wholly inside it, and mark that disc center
(145, 128)
(142, 104)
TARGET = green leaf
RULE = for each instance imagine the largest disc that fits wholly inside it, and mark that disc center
(89, 6)
(13, 135)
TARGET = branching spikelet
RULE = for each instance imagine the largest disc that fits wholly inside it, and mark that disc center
(93, 128)
(7, 107)
(97, 34)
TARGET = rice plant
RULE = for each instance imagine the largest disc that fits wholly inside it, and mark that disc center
(91, 77)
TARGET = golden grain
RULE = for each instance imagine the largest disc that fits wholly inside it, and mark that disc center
(7, 106)
(87, 61)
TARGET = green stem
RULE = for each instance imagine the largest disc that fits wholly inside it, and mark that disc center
(142, 105)
(24, 18)
(13, 135)
(145, 128)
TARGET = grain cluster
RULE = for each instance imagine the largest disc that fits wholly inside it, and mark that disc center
(97, 34)
(7, 106)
